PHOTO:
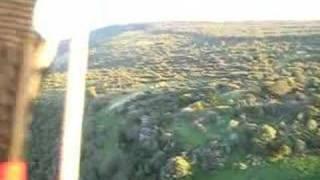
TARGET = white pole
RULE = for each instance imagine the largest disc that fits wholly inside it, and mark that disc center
(74, 108)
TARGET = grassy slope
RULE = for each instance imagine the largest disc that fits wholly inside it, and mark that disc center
(291, 169)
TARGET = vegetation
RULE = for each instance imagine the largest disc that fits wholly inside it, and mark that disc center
(200, 101)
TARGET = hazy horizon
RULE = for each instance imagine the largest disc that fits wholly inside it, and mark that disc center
(100, 13)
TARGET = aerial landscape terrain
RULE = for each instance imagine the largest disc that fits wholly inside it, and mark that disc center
(190, 101)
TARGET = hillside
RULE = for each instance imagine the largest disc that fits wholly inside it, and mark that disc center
(195, 101)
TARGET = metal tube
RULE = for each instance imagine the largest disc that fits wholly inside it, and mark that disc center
(74, 108)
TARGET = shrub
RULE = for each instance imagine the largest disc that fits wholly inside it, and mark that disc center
(177, 168)
(283, 151)
(268, 133)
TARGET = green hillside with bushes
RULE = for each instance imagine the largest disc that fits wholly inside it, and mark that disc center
(191, 101)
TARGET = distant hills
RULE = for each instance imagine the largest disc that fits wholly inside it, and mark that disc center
(104, 37)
